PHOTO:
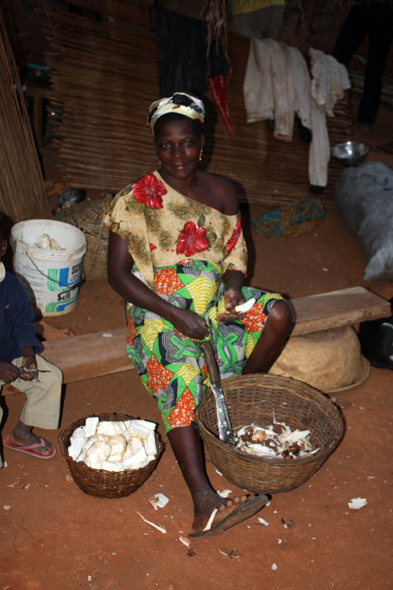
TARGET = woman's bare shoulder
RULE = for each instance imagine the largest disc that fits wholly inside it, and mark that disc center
(223, 192)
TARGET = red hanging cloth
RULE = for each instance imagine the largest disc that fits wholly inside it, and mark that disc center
(217, 88)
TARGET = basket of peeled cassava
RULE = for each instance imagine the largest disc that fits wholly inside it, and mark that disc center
(111, 455)
(284, 430)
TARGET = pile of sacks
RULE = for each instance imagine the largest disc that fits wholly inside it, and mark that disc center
(364, 199)
(114, 446)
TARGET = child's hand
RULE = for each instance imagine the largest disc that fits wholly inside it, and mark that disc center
(8, 372)
(29, 362)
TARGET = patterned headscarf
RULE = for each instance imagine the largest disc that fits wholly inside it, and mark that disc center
(179, 103)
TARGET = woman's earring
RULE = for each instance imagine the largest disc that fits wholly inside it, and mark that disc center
(159, 162)
(200, 155)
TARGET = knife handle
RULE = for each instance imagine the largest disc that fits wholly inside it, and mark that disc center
(211, 363)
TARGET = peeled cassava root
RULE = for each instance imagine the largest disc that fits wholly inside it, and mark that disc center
(114, 446)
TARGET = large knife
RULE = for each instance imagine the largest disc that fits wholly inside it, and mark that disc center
(223, 421)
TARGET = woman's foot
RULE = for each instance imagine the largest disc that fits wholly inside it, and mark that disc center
(204, 506)
(187, 446)
(228, 514)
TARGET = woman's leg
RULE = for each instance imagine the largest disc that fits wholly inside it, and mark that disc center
(187, 447)
(272, 340)
(351, 35)
(379, 42)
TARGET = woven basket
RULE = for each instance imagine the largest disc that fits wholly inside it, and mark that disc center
(106, 484)
(87, 216)
(255, 399)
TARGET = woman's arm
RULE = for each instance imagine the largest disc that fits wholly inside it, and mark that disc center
(122, 280)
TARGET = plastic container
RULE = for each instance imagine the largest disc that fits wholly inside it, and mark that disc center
(51, 278)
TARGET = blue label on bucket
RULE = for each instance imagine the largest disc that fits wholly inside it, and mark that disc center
(64, 299)
(63, 278)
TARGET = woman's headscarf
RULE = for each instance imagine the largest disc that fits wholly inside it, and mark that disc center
(180, 103)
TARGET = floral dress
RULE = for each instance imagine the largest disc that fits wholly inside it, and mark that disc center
(181, 249)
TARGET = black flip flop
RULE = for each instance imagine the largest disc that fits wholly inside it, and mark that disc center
(244, 511)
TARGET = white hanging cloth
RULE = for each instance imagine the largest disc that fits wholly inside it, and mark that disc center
(277, 85)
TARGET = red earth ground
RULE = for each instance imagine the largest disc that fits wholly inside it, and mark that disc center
(52, 536)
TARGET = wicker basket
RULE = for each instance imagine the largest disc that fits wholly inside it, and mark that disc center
(106, 484)
(254, 399)
(87, 216)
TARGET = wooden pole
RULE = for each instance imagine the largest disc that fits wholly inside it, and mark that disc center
(22, 190)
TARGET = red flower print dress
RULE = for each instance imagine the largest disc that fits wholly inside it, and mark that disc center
(181, 249)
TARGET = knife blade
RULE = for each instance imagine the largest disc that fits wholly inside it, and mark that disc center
(223, 420)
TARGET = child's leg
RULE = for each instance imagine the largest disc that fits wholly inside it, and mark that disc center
(42, 408)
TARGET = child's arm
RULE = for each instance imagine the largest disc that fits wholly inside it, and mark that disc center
(8, 372)
(22, 317)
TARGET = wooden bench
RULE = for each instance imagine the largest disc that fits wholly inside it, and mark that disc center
(337, 309)
(103, 353)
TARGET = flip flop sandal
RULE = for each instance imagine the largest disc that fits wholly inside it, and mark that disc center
(244, 511)
(29, 449)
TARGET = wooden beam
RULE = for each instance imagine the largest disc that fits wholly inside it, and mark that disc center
(336, 309)
(103, 353)
(86, 356)
(89, 355)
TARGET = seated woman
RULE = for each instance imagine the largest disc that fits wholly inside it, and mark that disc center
(178, 257)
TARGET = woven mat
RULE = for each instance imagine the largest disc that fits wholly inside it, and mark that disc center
(386, 148)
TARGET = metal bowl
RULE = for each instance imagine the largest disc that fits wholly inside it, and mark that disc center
(350, 153)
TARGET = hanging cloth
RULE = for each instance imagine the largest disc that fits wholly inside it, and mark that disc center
(182, 49)
(183, 62)
(217, 88)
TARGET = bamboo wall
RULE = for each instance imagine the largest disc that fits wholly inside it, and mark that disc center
(106, 74)
(22, 190)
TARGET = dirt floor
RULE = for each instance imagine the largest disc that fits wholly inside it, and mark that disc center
(53, 536)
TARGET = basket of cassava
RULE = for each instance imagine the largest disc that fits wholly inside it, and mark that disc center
(262, 400)
(106, 483)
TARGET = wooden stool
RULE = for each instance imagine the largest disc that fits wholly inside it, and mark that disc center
(324, 349)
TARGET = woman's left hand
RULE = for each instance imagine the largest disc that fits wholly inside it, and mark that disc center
(232, 297)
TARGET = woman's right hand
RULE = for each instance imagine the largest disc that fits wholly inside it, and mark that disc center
(189, 323)
(120, 264)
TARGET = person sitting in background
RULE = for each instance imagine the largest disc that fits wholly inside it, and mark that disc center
(30, 373)
(375, 19)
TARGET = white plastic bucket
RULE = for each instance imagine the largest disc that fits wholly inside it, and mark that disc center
(51, 278)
